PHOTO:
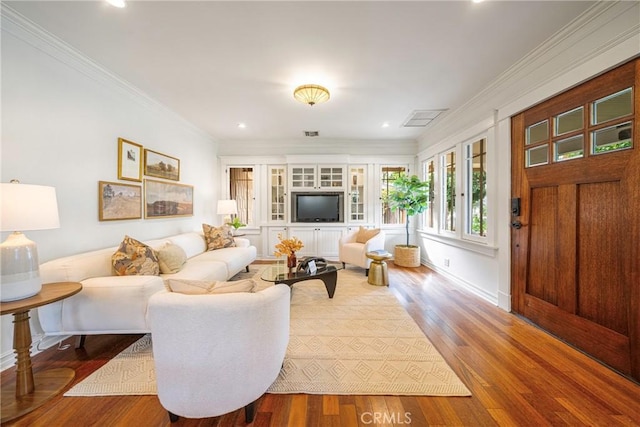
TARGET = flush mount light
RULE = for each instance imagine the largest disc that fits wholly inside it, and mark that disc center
(385, 125)
(242, 125)
(311, 94)
(117, 3)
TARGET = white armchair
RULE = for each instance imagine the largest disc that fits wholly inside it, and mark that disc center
(350, 251)
(215, 354)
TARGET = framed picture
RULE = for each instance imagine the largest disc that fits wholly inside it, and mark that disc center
(167, 199)
(161, 166)
(119, 201)
(129, 160)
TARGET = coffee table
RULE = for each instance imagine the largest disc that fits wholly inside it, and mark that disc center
(279, 273)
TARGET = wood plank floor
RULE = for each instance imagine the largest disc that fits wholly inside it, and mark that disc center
(518, 375)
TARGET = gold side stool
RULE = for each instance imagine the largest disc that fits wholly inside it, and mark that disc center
(378, 273)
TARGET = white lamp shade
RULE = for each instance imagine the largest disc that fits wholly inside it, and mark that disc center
(23, 207)
(28, 207)
(227, 207)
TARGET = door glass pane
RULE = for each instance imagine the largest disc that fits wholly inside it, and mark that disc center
(241, 190)
(538, 132)
(538, 156)
(570, 148)
(613, 138)
(569, 121)
(613, 106)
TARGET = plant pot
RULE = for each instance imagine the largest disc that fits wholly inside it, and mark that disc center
(407, 256)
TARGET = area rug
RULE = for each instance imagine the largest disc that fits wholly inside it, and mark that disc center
(360, 342)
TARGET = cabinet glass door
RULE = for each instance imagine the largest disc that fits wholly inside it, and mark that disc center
(277, 186)
(357, 195)
(331, 177)
(303, 177)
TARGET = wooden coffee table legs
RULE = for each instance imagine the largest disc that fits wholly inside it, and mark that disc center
(329, 278)
(30, 391)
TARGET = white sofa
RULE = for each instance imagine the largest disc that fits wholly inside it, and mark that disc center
(214, 354)
(110, 304)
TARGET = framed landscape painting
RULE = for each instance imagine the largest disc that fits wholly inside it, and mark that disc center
(129, 160)
(161, 165)
(119, 201)
(167, 199)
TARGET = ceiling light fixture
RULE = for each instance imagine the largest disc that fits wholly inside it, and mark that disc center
(242, 125)
(385, 125)
(117, 3)
(311, 94)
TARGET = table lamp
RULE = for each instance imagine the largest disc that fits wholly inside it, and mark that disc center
(23, 207)
(227, 208)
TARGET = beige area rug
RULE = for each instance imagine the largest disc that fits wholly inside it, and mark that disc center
(360, 342)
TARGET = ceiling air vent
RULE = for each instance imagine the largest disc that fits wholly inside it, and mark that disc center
(311, 133)
(421, 118)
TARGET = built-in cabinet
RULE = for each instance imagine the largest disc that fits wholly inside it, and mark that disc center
(318, 241)
(316, 177)
(279, 180)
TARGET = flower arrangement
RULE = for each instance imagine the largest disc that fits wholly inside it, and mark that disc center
(288, 247)
(235, 223)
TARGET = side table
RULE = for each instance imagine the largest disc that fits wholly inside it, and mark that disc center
(378, 273)
(32, 391)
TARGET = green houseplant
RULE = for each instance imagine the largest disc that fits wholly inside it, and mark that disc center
(235, 223)
(410, 194)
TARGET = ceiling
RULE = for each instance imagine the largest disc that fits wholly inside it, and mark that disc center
(218, 64)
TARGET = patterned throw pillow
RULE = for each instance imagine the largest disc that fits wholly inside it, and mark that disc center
(218, 237)
(135, 258)
(365, 234)
(171, 258)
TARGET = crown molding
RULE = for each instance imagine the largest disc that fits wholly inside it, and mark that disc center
(563, 52)
(23, 29)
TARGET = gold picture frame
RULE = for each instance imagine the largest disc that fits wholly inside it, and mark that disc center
(167, 199)
(118, 201)
(161, 166)
(129, 160)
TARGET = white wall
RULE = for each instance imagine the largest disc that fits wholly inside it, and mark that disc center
(61, 120)
(605, 36)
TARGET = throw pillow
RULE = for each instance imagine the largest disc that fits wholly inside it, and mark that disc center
(247, 285)
(203, 287)
(365, 234)
(218, 237)
(190, 287)
(135, 258)
(171, 258)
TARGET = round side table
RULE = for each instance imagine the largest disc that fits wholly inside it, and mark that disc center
(378, 273)
(32, 391)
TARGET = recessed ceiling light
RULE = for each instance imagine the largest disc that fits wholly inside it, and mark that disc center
(117, 3)
(242, 125)
(477, 1)
(385, 125)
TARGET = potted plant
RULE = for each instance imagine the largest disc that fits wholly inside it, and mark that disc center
(235, 223)
(410, 194)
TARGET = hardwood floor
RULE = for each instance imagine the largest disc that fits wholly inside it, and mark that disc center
(518, 375)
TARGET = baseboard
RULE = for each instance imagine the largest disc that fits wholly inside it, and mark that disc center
(493, 299)
(40, 343)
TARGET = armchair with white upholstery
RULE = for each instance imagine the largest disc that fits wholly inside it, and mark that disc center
(352, 247)
(215, 354)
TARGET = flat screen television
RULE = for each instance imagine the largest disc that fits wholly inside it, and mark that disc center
(317, 207)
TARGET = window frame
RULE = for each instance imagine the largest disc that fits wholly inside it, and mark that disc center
(467, 195)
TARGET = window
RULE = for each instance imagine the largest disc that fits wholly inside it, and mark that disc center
(448, 184)
(428, 175)
(596, 127)
(475, 192)
(387, 176)
(241, 190)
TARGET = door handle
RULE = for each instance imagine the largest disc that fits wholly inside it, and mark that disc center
(516, 224)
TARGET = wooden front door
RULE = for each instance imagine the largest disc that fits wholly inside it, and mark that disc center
(576, 217)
